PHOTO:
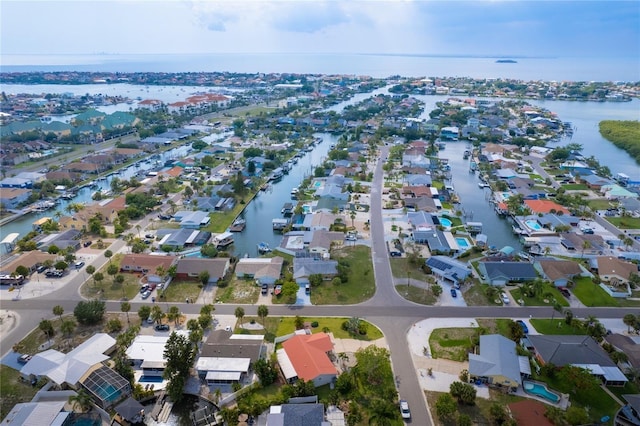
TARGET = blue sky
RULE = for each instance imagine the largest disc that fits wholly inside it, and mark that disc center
(506, 28)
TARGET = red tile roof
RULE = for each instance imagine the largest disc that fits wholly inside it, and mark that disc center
(308, 355)
(545, 206)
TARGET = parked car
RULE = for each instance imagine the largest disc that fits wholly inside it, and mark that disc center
(54, 273)
(40, 269)
(149, 236)
(307, 289)
(86, 244)
(395, 253)
(79, 265)
(265, 288)
(152, 286)
(162, 327)
(24, 358)
(146, 294)
(454, 293)
(505, 298)
(522, 325)
(404, 409)
(564, 291)
(144, 288)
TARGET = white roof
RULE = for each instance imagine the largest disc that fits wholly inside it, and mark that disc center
(223, 375)
(206, 363)
(285, 364)
(148, 348)
(70, 367)
(36, 414)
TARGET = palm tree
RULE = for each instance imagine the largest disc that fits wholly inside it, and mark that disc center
(67, 326)
(263, 311)
(81, 399)
(239, 314)
(586, 244)
(126, 307)
(352, 215)
(173, 314)
(629, 320)
(138, 228)
(58, 310)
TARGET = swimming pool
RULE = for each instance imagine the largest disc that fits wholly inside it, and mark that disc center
(150, 379)
(445, 222)
(532, 224)
(463, 242)
(306, 209)
(317, 184)
(541, 391)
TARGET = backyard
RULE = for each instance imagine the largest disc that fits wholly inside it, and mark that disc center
(13, 389)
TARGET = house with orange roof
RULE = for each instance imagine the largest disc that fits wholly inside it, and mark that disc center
(306, 357)
(173, 172)
(545, 206)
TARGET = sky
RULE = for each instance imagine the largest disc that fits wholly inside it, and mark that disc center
(479, 27)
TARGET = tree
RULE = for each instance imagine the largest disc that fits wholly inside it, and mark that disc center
(98, 277)
(497, 413)
(263, 311)
(112, 270)
(180, 354)
(143, 312)
(90, 269)
(173, 314)
(629, 320)
(315, 280)
(82, 400)
(157, 314)
(188, 192)
(515, 330)
(239, 314)
(464, 392)
(67, 326)
(126, 307)
(446, 407)
(89, 312)
(204, 277)
(47, 328)
(298, 322)
(290, 291)
(568, 316)
(108, 254)
(58, 310)
(576, 415)
(266, 371)
(22, 270)
(61, 265)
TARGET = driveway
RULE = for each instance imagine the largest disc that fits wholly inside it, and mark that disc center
(302, 299)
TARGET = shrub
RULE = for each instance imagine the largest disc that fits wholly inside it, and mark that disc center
(314, 324)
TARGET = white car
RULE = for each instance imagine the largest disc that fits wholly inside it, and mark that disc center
(505, 298)
(404, 409)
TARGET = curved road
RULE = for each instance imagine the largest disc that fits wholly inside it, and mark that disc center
(386, 309)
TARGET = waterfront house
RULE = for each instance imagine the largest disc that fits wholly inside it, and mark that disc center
(301, 414)
(617, 192)
(42, 413)
(321, 220)
(190, 268)
(11, 198)
(498, 363)
(192, 219)
(545, 206)
(227, 358)
(417, 180)
(306, 357)
(30, 259)
(595, 182)
(322, 241)
(503, 272)
(585, 244)
(421, 203)
(264, 270)
(579, 351)
(69, 239)
(559, 272)
(448, 270)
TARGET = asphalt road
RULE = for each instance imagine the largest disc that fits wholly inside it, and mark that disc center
(386, 309)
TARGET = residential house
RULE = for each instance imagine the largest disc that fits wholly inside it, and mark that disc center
(545, 206)
(417, 180)
(42, 413)
(15, 182)
(306, 357)
(422, 203)
(298, 415)
(227, 358)
(579, 351)
(321, 220)
(146, 353)
(500, 273)
(629, 414)
(498, 363)
(613, 270)
(595, 182)
(448, 270)
(263, 270)
(69, 368)
(322, 241)
(190, 268)
(30, 259)
(617, 192)
(11, 198)
(585, 244)
(559, 272)
(63, 240)
(192, 220)
(145, 263)
(303, 267)
(628, 345)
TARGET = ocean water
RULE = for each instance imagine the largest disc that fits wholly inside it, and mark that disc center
(375, 65)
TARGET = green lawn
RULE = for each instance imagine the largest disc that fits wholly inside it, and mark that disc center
(279, 326)
(480, 412)
(555, 326)
(360, 285)
(178, 291)
(13, 390)
(416, 294)
(575, 187)
(625, 222)
(591, 294)
(599, 204)
(540, 300)
(401, 268)
(108, 289)
(452, 343)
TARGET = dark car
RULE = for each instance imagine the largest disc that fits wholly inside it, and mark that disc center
(454, 293)
(164, 216)
(265, 288)
(162, 327)
(87, 243)
(144, 288)
(395, 253)
(522, 325)
(564, 291)
(40, 269)
(149, 236)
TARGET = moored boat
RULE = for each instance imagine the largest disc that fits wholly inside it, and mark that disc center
(263, 247)
(238, 225)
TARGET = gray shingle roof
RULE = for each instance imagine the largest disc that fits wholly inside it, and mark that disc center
(497, 357)
(564, 350)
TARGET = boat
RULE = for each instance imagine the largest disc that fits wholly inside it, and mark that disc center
(238, 225)
(276, 174)
(294, 192)
(466, 155)
(484, 185)
(506, 61)
(263, 247)
(277, 290)
(223, 240)
(473, 167)
(287, 209)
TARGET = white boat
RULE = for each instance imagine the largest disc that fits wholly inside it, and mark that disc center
(295, 191)
(483, 185)
(263, 248)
